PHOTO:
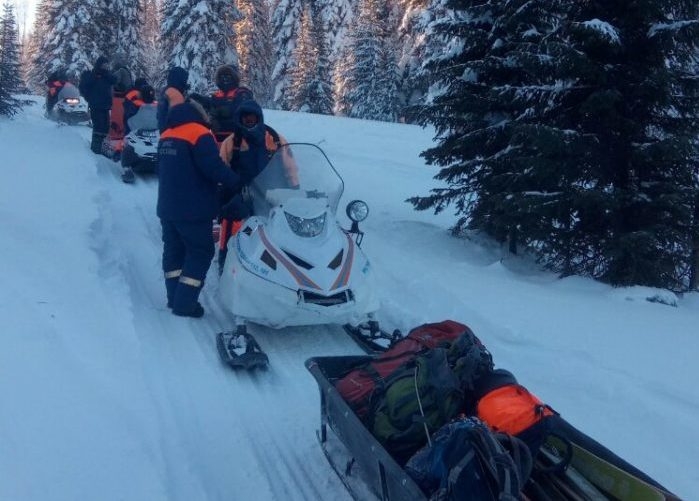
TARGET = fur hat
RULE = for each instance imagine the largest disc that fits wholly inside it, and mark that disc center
(227, 77)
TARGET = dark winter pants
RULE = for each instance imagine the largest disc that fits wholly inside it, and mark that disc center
(187, 253)
(100, 128)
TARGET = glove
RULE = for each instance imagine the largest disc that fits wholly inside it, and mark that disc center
(236, 209)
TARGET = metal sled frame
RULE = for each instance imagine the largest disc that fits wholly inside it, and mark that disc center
(368, 470)
(357, 457)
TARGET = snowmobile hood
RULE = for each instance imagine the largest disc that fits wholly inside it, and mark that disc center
(183, 114)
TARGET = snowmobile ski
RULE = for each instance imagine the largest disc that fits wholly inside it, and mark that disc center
(128, 176)
(241, 350)
(371, 338)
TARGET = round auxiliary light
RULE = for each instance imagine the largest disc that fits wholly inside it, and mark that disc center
(357, 210)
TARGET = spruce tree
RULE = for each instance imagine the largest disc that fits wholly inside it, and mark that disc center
(337, 17)
(149, 43)
(418, 43)
(254, 44)
(75, 37)
(199, 37)
(36, 72)
(10, 80)
(286, 19)
(125, 23)
(366, 80)
(310, 89)
(567, 127)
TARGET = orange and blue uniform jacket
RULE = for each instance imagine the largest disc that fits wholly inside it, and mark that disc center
(189, 168)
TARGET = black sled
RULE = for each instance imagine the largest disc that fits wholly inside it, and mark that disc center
(572, 466)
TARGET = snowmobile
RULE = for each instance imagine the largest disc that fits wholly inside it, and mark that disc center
(292, 264)
(140, 152)
(70, 108)
(571, 466)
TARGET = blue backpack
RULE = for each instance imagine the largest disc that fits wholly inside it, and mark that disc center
(466, 461)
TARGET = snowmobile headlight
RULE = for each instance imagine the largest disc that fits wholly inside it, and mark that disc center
(303, 227)
(357, 210)
(72, 100)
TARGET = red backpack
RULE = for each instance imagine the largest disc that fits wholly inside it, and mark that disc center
(358, 387)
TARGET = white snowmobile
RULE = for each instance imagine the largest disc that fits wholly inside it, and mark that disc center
(140, 153)
(291, 264)
(70, 108)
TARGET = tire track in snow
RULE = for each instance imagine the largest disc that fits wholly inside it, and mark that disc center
(219, 434)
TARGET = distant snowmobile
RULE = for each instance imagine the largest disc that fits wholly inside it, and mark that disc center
(70, 108)
(291, 264)
(140, 153)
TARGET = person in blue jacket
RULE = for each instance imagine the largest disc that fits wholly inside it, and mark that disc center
(189, 172)
(96, 87)
(173, 94)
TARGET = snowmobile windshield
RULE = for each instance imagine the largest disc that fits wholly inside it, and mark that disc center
(146, 118)
(68, 91)
(296, 171)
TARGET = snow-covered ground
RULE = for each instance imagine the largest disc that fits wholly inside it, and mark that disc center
(106, 395)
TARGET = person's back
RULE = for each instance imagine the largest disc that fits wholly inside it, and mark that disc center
(189, 170)
(96, 87)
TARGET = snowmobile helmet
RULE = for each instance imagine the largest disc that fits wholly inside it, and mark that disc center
(249, 120)
(249, 116)
(147, 93)
(492, 380)
(227, 78)
(177, 77)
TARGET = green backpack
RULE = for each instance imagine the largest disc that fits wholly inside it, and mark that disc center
(419, 398)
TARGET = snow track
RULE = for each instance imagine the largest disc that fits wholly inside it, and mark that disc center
(220, 434)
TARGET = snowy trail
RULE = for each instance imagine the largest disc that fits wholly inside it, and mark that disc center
(220, 431)
(108, 396)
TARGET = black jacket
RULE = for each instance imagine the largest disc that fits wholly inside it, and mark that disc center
(96, 87)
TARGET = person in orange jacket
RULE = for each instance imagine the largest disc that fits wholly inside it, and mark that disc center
(247, 151)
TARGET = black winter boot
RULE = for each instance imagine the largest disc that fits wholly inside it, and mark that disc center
(171, 287)
(196, 312)
(185, 302)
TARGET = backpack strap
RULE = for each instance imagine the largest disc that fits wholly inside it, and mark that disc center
(508, 471)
